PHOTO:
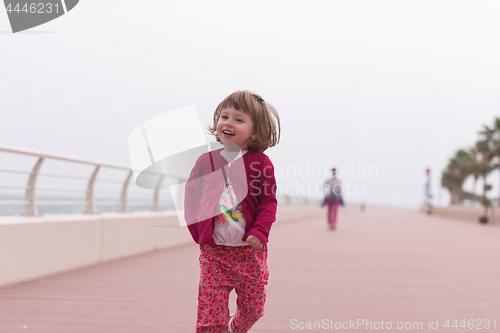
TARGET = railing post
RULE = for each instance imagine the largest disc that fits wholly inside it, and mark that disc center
(123, 197)
(31, 189)
(156, 198)
(90, 209)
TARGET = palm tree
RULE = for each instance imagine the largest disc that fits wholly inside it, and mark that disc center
(450, 180)
(460, 163)
(489, 144)
(467, 162)
(473, 165)
(458, 169)
(484, 169)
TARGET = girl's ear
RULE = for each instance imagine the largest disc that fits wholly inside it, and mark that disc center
(252, 138)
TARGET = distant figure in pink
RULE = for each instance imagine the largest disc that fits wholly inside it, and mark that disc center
(333, 198)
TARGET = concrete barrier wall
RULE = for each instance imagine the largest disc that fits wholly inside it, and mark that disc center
(33, 247)
(38, 248)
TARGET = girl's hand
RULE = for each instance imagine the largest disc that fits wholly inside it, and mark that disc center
(255, 242)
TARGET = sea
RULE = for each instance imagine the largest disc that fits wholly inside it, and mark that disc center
(133, 205)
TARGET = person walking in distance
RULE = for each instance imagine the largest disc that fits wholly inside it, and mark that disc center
(333, 198)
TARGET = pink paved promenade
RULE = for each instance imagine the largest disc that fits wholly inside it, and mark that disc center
(387, 264)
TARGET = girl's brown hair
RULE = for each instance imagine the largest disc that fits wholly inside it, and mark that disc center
(266, 121)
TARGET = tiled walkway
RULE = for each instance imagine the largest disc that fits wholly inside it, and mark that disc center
(386, 264)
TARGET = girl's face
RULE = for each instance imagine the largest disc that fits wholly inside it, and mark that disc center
(235, 127)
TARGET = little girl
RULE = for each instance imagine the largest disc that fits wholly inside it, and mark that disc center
(230, 205)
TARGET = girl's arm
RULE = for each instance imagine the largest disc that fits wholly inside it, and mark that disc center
(192, 195)
(267, 203)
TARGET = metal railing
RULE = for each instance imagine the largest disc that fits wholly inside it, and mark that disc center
(30, 202)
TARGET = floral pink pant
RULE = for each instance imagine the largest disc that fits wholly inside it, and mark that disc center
(224, 268)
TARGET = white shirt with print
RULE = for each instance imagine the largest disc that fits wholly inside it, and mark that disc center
(230, 223)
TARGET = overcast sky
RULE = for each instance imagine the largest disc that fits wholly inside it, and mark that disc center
(397, 86)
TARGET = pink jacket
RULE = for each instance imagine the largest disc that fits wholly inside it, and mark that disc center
(205, 186)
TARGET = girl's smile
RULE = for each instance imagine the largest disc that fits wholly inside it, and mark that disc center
(235, 127)
(227, 132)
